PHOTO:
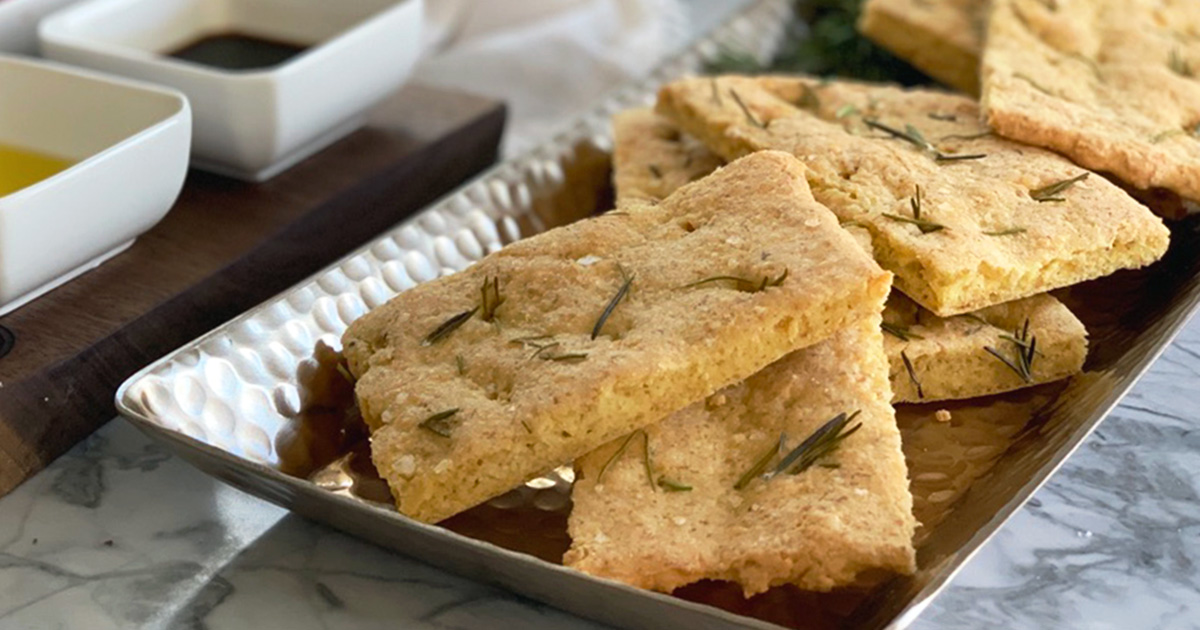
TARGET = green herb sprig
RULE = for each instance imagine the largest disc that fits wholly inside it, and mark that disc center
(900, 332)
(913, 136)
(912, 374)
(821, 443)
(760, 465)
(744, 284)
(1052, 192)
(746, 110)
(489, 298)
(612, 304)
(440, 423)
(450, 325)
(1025, 347)
(649, 466)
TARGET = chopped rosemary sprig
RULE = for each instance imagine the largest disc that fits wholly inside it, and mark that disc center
(440, 423)
(612, 304)
(617, 455)
(655, 171)
(1026, 352)
(450, 325)
(760, 465)
(915, 203)
(1180, 66)
(621, 451)
(461, 364)
(912, 374)
(822, 442)
(913, 136)
(1007, 232)
(925, 226)
(673, 486)
(900, 332)
(1170, 133)
(746, 110)
(1051, 192)
(744, 284)
(490, 298)
(528, 429)
(942, 117)
(967, 136)
(567, 357)
(846, 110)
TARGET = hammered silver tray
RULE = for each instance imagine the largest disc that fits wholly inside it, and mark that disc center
(234, 401)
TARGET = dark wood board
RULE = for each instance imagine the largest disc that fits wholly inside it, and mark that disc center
(225, 247)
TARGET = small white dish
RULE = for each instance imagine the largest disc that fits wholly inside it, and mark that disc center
(129, 145)
(252, 124)
(19, 23)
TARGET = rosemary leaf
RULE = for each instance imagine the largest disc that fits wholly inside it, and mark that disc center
(915, 202)
(746, 110)
(490, 298)
(760, 465)
(846, 110)
(716, 93)
(822, 442)
(617, 455)
(528, 429)
(942, 117)
(743, 284)
(570, 357)
(448, 326)
(925, 226)
(612, 304)
(914, 137)
(1012, 366)
(1051, 192)
(671, 485)
(655, 171)
(1007, 232)
(649, 464)
(900, 332)
(1180, 66)
(809, 99)
(461, 364)
(912, 374)
(440, 423)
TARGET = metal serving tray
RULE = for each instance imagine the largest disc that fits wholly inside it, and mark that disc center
(230, 402)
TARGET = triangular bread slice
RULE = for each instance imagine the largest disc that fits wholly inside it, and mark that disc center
(964, 219)
(698, 509)
(949, 356)
(475, 382)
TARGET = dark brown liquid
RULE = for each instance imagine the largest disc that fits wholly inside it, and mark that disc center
(235, 51)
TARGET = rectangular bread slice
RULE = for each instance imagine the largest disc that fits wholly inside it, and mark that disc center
(694, 513)
(963, 218)
(475, 382)
(1112, 84)
(949, 355)
(942, 38)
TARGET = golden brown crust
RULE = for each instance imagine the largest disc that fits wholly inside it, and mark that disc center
(652, 158)
(999, 243)
(942, 38)
(824, 528)
(1112, 84)
(520, 411)
(948, 355)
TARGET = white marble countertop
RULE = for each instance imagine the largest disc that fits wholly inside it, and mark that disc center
(120, 534)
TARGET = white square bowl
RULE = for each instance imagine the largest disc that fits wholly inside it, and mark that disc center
(19, 23)
(129, 145)
(252, 124)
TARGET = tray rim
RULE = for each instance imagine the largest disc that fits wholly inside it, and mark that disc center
(583, 127)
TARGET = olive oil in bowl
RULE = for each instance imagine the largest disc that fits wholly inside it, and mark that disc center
(22, 168)
(236, 51)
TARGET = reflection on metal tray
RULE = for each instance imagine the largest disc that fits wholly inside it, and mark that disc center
(257, 404)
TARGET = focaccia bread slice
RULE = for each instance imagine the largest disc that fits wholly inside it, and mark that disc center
(1111, 84)
(696, 508)
(949, 355)
(651, 157)
(997, 349)
(475, 382)
(942, 38)
(963, 218)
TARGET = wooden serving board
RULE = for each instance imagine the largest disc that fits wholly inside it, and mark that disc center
(224, 247)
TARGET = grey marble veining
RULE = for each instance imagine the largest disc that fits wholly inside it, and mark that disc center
(119, 534)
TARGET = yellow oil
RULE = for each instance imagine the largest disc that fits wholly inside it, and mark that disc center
(21, 168)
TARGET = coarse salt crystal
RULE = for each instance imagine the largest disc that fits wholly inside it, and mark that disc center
(442, 466)
(406, 466)
(679, 520)
(589, 260)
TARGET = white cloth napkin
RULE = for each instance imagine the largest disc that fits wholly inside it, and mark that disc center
(550, 60)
